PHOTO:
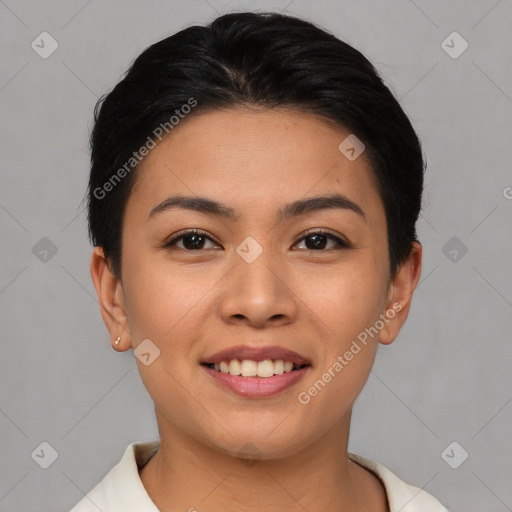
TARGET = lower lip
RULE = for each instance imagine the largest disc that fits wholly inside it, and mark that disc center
(257, 386)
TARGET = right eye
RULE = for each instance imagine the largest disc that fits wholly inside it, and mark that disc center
(192, 240)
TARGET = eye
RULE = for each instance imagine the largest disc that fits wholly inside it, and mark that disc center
(193, 239)
(319, 238)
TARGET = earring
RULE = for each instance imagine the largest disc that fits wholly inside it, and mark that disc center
(118, 340)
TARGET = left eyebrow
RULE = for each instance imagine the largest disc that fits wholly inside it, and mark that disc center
(294, 209)
(318, 203)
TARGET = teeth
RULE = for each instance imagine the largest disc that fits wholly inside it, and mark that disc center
(249, 368)
(278, 367)
(235, 368)
(265, 368)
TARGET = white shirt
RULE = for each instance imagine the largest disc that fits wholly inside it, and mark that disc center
(122, 489)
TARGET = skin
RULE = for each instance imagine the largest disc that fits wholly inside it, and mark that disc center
(313, 301)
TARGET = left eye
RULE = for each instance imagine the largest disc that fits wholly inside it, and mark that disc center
(193, 240)
(319, 238)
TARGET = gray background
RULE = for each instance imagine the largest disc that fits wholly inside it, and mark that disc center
(447, 377)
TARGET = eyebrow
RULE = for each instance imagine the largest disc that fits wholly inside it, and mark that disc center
(294, 209)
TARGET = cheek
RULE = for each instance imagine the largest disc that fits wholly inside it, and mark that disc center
(161, 297)
(348, 352)
(346, 298)
(347, 302)
(164, 303)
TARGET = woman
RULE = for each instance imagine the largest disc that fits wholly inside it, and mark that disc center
(253, 198)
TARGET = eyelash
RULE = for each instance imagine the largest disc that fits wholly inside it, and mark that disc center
(341, 244)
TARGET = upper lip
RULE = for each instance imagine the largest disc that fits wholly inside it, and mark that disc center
(241, 352)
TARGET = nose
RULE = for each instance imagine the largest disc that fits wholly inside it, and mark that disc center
(259, 294)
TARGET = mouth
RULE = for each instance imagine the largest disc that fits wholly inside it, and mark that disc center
(251, 368)
(256, 372)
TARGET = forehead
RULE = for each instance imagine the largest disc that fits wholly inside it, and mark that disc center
(252, 156)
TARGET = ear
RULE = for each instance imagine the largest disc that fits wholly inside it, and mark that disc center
(111, 299)
(400, 294)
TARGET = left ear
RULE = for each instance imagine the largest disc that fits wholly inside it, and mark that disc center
(400, 294)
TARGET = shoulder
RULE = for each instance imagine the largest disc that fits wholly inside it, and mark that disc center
(121, 490)
(402, 496)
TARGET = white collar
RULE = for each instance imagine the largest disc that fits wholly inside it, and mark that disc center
(122, 489)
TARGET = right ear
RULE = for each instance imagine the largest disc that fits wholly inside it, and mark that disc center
(111, 299)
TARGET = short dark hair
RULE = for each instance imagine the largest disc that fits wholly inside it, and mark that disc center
(253, 59)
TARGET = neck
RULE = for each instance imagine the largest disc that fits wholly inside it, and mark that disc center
(186, 474)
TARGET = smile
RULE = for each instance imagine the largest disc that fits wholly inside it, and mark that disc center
(260, 383)
(250, 368)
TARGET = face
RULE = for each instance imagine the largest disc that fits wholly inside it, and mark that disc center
(257, 277)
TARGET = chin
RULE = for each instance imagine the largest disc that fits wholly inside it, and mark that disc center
(257, 443)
